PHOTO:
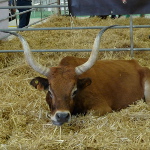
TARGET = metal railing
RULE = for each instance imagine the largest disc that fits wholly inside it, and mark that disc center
(130, 26)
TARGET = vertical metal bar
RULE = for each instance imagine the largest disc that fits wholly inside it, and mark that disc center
(131, 37)
(41, 9)
(16, 16)
(58, 9)
(64, 8)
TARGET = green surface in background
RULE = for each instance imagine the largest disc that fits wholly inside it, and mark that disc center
(43, 14)
(40, 14)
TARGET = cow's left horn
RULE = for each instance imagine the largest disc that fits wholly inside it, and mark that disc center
(94, 54)
(29, 58)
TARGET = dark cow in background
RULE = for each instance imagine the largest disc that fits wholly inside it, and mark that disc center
(79, 85)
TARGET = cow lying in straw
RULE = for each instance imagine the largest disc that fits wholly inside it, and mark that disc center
(79, 85)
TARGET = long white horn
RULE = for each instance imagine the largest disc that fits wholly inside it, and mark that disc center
(29, 58)
(94, 54)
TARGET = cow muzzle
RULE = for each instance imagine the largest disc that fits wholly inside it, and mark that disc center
(61, 117)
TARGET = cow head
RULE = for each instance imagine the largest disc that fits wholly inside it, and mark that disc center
(62, 83)
(62, 89)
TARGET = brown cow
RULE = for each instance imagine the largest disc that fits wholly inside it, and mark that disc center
(79, 85)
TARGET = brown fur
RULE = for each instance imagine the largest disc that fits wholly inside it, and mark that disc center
(113, 85)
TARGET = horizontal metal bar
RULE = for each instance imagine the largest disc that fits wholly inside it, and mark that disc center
(73, 28)
(33, 6)
(75, 50)
(16, 14)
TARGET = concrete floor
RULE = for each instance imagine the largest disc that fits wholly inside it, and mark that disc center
(14, 23)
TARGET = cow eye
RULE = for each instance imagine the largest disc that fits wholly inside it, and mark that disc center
(50, 92)
(74, 92)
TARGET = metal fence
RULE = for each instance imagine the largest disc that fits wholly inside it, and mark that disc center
(130, 27)
(40, 6)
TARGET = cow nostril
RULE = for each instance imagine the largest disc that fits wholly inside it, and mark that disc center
(66, 115)
(58, 115)
(62, 116)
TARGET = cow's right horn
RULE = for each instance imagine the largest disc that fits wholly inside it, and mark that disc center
(94, 54)
(29, 58)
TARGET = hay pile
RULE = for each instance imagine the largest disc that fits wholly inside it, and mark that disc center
(23, 111)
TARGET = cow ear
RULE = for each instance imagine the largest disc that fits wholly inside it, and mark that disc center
(82, 83)
(40, 83)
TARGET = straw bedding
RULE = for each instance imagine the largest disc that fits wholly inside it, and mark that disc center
(24, 124)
